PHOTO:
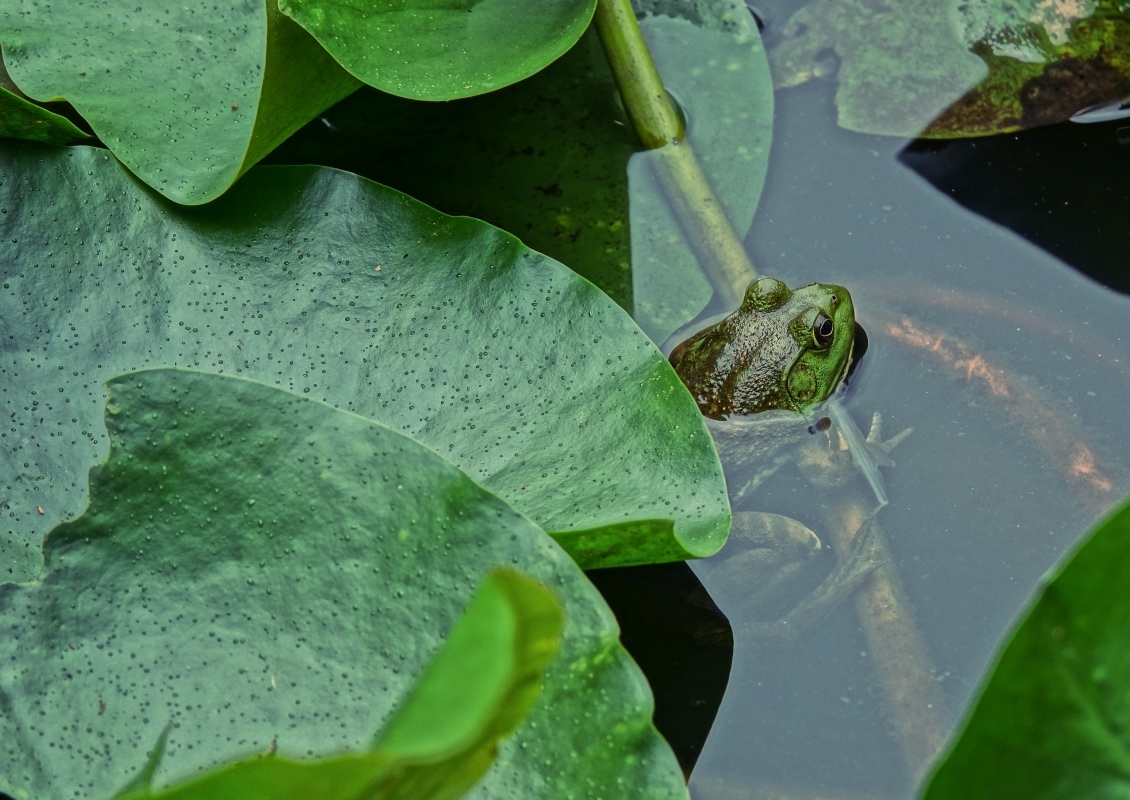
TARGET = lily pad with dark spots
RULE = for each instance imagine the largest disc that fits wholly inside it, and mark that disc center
(262, 572)
(505, 362)
(441, 739)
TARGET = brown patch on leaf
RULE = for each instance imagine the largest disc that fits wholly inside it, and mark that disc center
(1067, 86)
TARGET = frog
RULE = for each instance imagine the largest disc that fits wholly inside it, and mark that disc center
(762, 377)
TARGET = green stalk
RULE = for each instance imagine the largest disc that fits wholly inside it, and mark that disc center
(915, 705)
(902, 662)
(716, 244)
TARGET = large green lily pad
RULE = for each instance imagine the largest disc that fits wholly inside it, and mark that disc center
(186, 96)
(440, 51)
(441, 738)
(1053, 720)
(502, 360)
(263, 571)
(957, 68)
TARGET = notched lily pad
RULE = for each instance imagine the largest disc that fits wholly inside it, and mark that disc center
(1052, 720)
(441, 51)
(265, 572)
(499, 358)
(188, 97)
(445, 734)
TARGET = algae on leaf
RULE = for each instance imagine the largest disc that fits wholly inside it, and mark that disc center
(443, 736)
(188, 97)
(442, 51)
(1053, 719)
(502, 360)
(958, 67)
(266, 572)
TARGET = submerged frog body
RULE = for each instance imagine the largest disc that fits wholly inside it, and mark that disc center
(760, 377)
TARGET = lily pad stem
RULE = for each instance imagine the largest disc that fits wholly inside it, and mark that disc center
(657, 122)
(914, 700)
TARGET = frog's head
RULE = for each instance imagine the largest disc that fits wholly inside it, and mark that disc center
(780, 350)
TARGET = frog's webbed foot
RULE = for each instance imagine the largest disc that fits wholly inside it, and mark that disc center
(851, 570)
(880, 450)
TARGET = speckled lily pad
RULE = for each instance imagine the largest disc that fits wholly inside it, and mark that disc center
(265, 572)
(502, 360)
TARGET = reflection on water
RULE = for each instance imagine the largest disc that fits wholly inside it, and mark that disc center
(1007, 364)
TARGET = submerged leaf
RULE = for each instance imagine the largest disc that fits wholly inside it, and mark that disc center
(264, 571)
(717, 71)
(1053, 719)
(434, 51)
(957, 68)
(499, 358)
(187, 97)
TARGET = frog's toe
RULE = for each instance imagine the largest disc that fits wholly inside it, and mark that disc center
(876, 443)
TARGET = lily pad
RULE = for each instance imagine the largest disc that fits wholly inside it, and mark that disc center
(187, 97)
(445, 734)
(20, 119)
(957, 68)
(441, 51)
(1053, 720)
(502, 360)
(545, 159)
(265, 572)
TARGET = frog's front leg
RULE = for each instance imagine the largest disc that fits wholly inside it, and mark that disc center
(826, 464)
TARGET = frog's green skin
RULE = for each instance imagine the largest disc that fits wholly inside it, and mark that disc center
(781, 350)
(761, 373)
(759, 377)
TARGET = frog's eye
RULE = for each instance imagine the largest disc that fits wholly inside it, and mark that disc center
(823, 330)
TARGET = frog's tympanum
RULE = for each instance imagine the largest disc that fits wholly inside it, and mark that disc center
(760, 376)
